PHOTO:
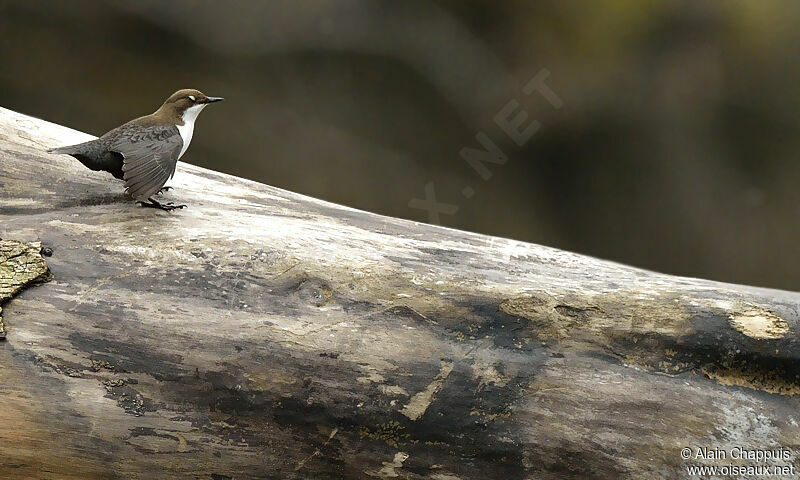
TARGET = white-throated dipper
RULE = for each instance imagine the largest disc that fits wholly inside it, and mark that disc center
(145, 151)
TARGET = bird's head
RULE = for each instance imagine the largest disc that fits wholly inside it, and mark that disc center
(184, 105)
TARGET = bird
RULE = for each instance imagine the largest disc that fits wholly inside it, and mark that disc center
(145, 151)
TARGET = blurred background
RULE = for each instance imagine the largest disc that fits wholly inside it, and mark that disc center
(675, 148)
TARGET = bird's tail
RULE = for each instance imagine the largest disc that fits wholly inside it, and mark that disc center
(65, 150)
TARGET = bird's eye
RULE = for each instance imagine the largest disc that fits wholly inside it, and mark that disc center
(191, 97)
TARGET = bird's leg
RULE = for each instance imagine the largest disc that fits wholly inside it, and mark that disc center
(164, 189)
(167, 207)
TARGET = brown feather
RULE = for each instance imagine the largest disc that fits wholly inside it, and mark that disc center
(150, 156)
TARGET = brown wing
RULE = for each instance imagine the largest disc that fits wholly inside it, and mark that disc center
(150, 157)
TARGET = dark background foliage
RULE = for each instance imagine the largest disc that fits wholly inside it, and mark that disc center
(675, 148)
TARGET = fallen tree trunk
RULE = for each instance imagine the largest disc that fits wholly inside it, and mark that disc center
(263, 334)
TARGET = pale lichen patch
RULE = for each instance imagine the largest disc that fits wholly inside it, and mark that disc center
(388, 470)
(371, 375)
(555, 315)
(759, 323)
(393, 390)
(444, 476)
(420, 402)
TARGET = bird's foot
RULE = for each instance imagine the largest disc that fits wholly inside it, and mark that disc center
(167, 207)
(164, 189)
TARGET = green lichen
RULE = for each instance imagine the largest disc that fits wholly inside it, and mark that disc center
(391, 433)
(21, 264)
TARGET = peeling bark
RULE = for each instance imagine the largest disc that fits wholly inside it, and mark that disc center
(263, 334)
(21, 265)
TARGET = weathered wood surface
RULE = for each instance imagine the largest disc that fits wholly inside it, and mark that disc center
(263, 334)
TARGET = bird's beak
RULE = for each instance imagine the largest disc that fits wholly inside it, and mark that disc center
(213, 99)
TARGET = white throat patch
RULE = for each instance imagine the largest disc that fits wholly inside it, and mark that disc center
(187, 129)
